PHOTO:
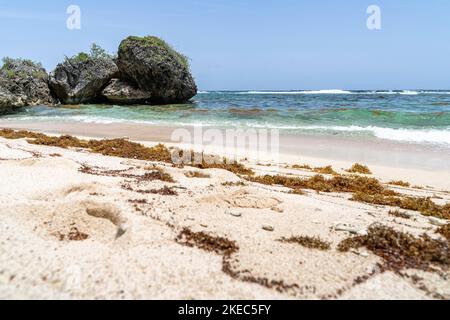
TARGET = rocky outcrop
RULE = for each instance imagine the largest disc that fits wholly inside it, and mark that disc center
(153, 66)
(82, 78)
(23, 83)
(146, 71)
(119, 92)
(10, 102)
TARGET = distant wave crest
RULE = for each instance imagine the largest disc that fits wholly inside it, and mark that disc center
(406, 135)
(412, 135)
(433, 136)
(333, 91)
(337, 91)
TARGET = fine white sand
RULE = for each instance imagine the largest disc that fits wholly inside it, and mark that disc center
(44, 197)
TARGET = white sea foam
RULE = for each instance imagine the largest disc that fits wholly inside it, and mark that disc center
(435, 92)
(333, 91)
(381, 92)
(329, 91)
(337, 91)
(406, 135)
(410, 135)
(84, 119)
(409, 92)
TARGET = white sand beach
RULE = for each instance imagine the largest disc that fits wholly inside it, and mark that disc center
(80, 225)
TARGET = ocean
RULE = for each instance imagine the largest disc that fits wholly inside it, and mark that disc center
(420, 116)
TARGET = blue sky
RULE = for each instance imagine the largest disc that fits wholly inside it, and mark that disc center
(250, 44)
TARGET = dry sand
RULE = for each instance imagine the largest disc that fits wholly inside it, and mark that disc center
(48, 207)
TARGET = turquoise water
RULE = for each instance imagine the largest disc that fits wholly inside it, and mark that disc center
(411, 116)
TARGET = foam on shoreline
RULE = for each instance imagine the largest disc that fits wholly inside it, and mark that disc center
(440, 137)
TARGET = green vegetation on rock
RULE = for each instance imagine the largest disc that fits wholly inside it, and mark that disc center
(152, 41)
(9, 63)
(96, 52)
(17, 68)
(80, 57)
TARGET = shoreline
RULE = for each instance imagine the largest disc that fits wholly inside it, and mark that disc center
(371, 150)
(421, 165)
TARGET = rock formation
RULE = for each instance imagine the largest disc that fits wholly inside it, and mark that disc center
(23, 83)
(153, 66)
(81, 79)
(146, 71)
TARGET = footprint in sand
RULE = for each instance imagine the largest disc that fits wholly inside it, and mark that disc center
(109, 212)
(72, 208)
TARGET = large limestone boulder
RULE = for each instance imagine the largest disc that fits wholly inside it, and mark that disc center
(23, 83)
(153, 66)
(82, 78)
(120, 92)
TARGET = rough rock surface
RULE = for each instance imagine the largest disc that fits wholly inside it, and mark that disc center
(153, 66)
(9, 102)
(120, 92)
(23, 83)
(79, 80)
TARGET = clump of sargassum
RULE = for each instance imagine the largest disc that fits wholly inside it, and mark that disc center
(445, 231)
(322, 170)
(401, 250)
(359, 168)
(308, 242)
(73, 235)
(356, 168)
(399, 183)
(226, 248)
(325, 170)
(399, 214)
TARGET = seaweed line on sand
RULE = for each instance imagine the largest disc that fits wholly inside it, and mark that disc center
(156, 174)
(127, 149)
(364, 189)
(164, 191)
